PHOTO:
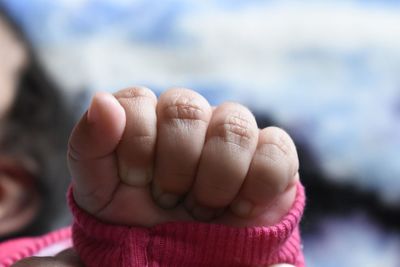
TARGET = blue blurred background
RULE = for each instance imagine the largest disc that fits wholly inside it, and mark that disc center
(327, 71)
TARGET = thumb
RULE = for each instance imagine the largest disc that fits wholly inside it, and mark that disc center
(91, 148)
(66, 258)
(99, 130)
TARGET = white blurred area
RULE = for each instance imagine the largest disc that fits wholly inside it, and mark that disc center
(348, 241)
(255, 46)
(330, 69)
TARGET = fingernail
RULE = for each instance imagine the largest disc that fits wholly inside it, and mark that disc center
(93, 112)
(135, 176)
(168, 201)
(242, 207)
(163, 199)
(203, 213)
(92, 115)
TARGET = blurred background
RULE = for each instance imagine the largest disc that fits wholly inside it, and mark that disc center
(326, 71)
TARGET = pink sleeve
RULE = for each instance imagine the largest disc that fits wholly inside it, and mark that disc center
(16, 249)
(180, 244)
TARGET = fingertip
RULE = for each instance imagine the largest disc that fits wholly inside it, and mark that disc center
(92, 112)
(108, 114)
(100, 129)
(103, 101)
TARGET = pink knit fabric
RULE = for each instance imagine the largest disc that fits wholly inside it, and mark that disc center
(13, 250)
(181, 244)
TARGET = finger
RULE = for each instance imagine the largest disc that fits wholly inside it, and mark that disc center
(90, 153)
(183, 117)
(273, 169)
(69, 256)
(35, 262)
(230, 143)
(135, 151)
(63, 261)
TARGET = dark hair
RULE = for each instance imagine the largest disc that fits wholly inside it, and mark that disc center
(37, 127)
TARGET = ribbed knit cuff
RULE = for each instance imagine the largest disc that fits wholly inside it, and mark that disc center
(181, 244)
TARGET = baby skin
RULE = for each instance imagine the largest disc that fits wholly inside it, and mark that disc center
(141, 161)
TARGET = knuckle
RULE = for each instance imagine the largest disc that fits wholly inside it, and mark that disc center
(183, 111)
(271, 152)
(278, 152)
(184, 105)
(135, 92)
(278, 140)
(237, 128)
(279, 169)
